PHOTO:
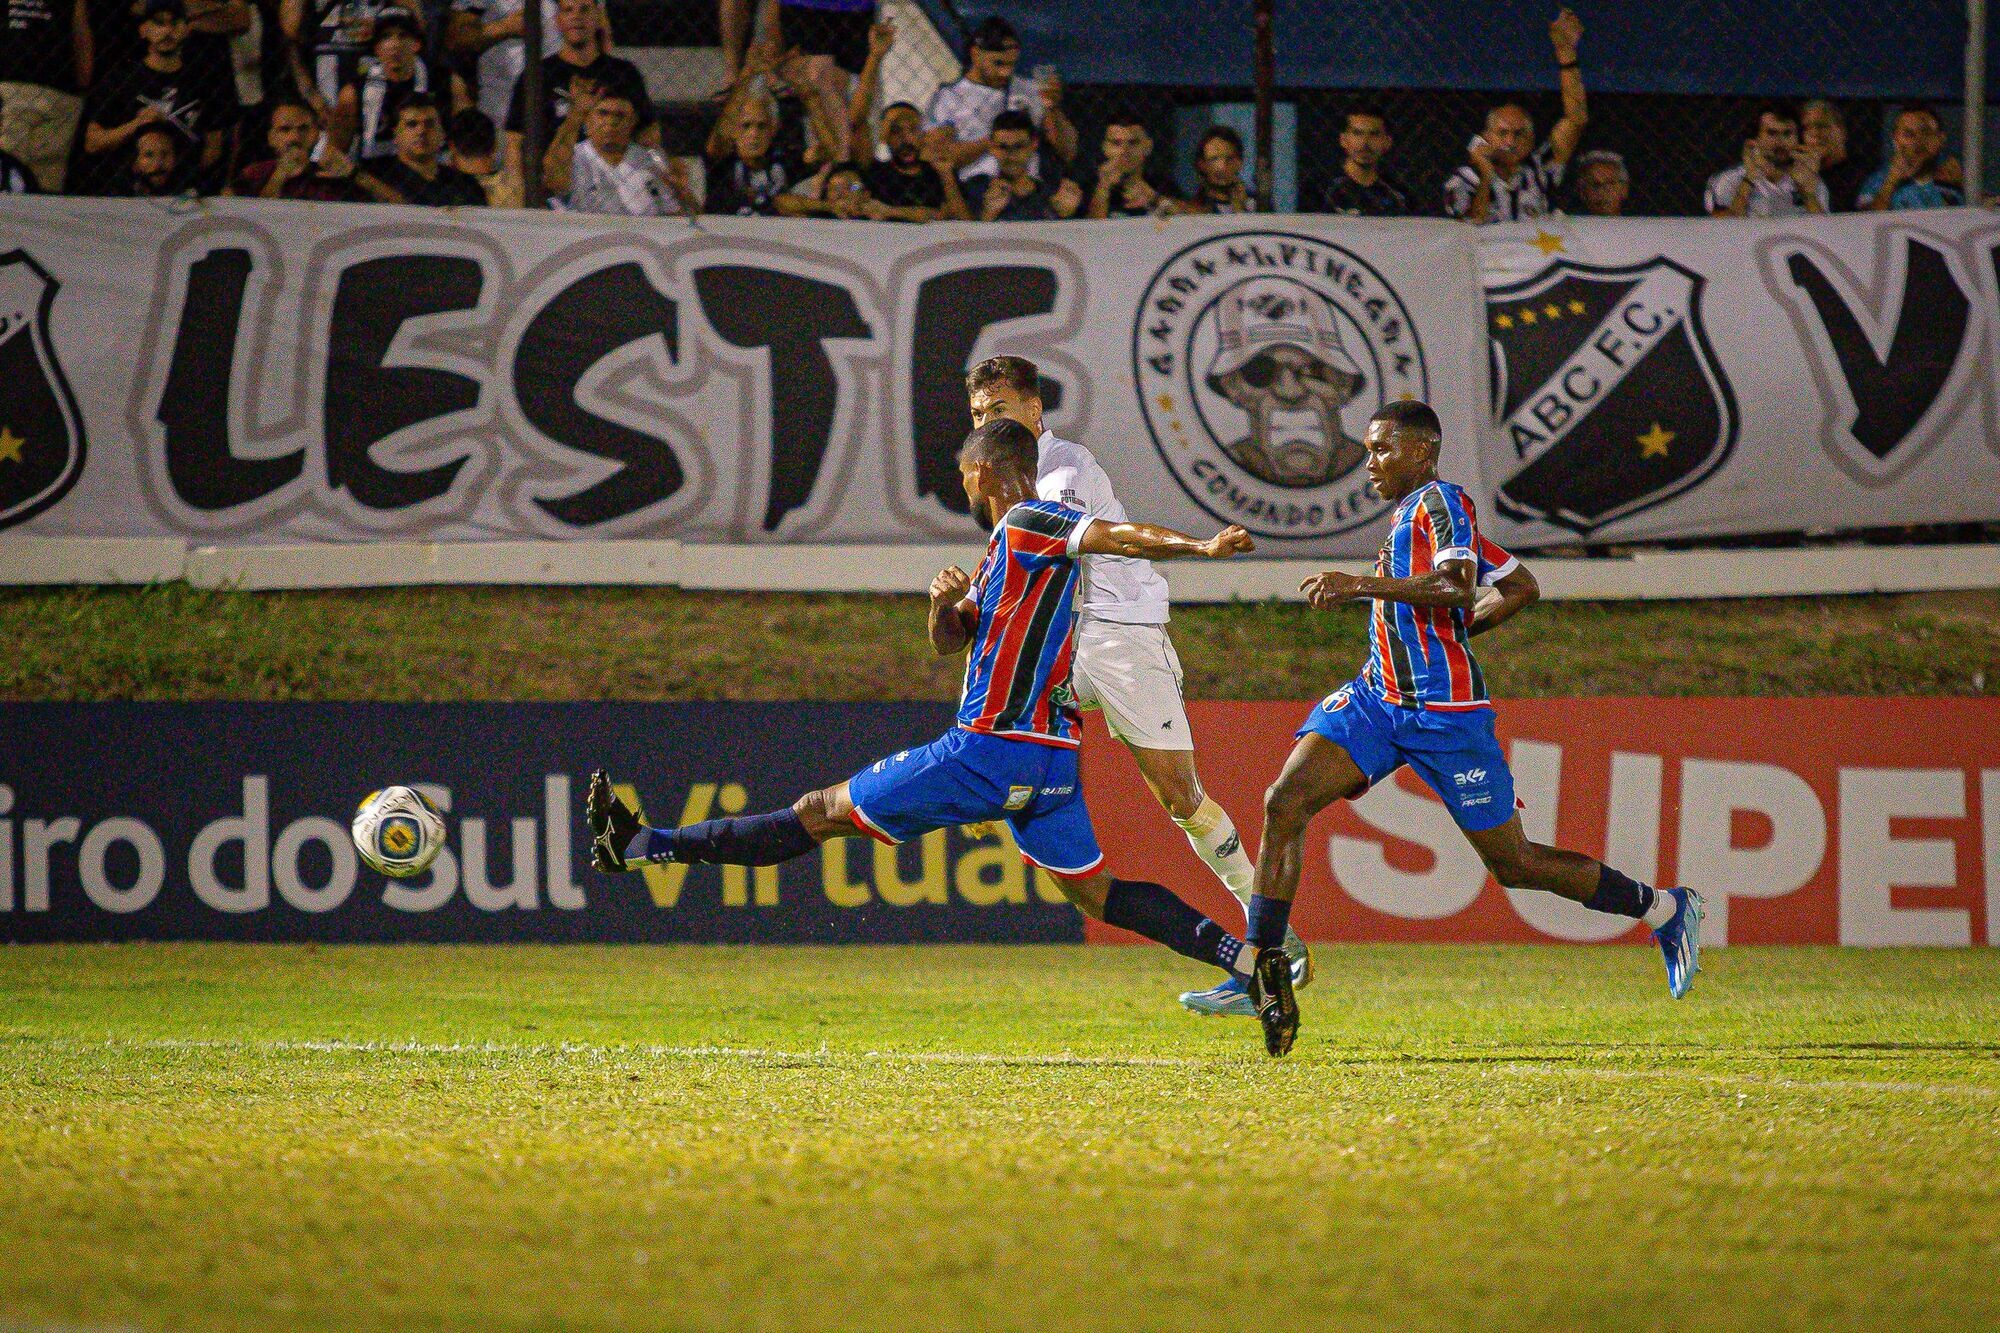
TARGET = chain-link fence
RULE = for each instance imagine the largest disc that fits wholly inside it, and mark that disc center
(906, 109)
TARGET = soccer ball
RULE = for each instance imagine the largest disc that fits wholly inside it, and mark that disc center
(398, 832)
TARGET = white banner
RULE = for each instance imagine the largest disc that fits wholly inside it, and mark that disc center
(249, 373)
(1695, 377)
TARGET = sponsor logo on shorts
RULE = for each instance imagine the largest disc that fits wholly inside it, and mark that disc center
(1059, 791)
(1470, 777)
(1018, 797)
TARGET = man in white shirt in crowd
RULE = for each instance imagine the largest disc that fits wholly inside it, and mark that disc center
(1778, 177)
(491, 30)
(1125, 664)
(608, 172)
(961, 114)
(1508, 178)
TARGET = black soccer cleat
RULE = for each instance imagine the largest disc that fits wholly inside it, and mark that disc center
(1277, 1008)
(612, 825)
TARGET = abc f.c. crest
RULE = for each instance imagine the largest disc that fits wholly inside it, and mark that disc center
(41, 430)
(1259, 357)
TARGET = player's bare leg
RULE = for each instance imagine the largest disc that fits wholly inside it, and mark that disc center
(1673, 914)
(1170, 775)
(1316, 774)
(1519, 864)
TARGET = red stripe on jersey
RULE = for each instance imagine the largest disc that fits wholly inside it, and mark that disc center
(1006, 652)
(1457, 667)
(1391, 687)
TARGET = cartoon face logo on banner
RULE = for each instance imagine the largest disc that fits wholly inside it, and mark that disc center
(1259, 357)
(41, 431)
(1607, 393)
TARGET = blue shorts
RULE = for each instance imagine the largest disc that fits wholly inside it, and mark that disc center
(968, 777)
(1453, 750)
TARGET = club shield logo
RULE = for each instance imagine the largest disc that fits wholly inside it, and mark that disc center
(1607, 396)
(1259, 357)
(41, 430)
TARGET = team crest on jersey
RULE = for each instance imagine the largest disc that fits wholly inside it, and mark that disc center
(1259, 357)
(1609, 399)
(1018, 797)
(41, 430)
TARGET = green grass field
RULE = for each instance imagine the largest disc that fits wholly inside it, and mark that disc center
(237, 1137)
(175, 642)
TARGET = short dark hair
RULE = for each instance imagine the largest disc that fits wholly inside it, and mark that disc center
(1013, 120)
(1222, 132)
(417, 102)
(158, 127)
(471, 132)
(1410, 414)
(1016, 372)
(288, 102)
(1002, 442)
(995, 34)
(1918, 109)
(1785, 111)
(1372, 110)
(910, 107)
(1130, 119)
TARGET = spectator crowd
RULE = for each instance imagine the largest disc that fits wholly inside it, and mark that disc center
(425, 102)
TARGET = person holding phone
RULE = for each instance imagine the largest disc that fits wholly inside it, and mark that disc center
(1506, 178)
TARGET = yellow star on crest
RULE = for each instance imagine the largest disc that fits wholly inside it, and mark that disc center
(10, 445)
(1503, 321)
(1653, 444)
(1527, 315)
(1576, 307)
(1552, 310)
(1547, 242)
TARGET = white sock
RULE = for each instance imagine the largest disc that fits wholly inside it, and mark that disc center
(1215, 841)
(1662, 910)
(1246, 962)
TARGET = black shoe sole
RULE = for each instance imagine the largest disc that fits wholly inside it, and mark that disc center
(1277, 1007)
(612, 826)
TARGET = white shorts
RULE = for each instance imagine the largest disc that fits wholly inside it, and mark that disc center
(1133, 673)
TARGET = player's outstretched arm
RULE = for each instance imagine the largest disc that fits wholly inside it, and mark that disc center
(1509, 597)
(1451, 584)
(1148, 541)
(952, 617)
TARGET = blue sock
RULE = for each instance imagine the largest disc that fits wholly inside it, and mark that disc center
(748, 840)
(1149, 909)
(1268, 919)
(1619, 894)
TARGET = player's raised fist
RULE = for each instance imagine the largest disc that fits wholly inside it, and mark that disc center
(951, 585)
(1232, 540)
(1330, 589)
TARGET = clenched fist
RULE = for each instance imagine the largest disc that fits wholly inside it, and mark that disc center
(950, 586)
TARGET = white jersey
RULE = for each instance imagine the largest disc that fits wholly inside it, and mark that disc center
(1115, 587)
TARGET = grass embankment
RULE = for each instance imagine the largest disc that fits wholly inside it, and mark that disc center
(174, 642)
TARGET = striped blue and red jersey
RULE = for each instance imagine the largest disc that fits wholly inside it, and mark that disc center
(1419, 656)
(1017, 677)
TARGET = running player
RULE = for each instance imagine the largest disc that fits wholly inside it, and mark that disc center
(1125, 663)
(1013, 754)
(1422, 701)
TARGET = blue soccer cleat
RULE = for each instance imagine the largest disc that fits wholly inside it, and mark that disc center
(1229, 1000)
(1302, 960)
(1680, 941)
